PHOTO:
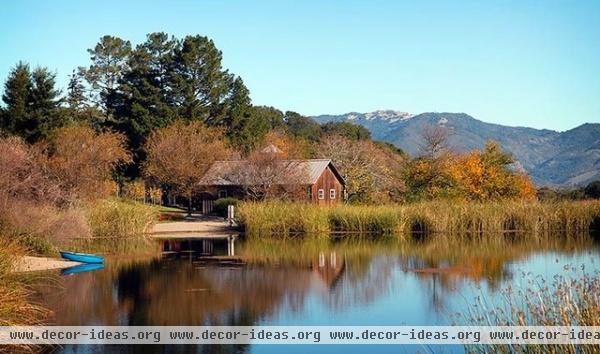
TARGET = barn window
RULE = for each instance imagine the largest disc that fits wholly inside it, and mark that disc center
(321, 194)
(332, 194)
(222, 193)
(309, 192)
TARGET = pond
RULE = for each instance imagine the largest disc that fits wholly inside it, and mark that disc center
(304, 282)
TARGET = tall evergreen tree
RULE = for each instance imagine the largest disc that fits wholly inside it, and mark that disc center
(246, 127)
(32, 102)
(109, 62)
(76, 98)
(16, 98)
(145, 90)
(44, 104)
(199, 84)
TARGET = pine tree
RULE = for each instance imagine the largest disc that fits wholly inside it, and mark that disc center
(44, 103)
(245, 126)
(76, 98)
(199, 84)
(32, 103)
(109, 62)
(145, 89)
(16, 92)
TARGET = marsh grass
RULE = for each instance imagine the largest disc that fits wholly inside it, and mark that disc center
(463, 219)
(283, 219)
(571, 299)
(15, 306)
(118, 226)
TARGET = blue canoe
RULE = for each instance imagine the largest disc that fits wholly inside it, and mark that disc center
(82, 268)
(81, 257)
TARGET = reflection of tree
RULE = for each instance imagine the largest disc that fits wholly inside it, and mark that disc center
(363, 281)
(279, 277)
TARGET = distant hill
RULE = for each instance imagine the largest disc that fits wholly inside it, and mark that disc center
(570, 158)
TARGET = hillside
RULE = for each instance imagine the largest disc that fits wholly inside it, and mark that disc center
(552, 158)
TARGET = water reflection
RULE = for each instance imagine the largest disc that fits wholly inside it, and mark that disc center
(300, 282)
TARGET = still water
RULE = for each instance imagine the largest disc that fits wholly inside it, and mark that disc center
(316, 282)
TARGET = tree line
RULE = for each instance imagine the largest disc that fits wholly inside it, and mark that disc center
(170, 109)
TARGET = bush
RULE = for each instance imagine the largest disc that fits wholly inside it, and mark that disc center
(39, 226)
(221, 205)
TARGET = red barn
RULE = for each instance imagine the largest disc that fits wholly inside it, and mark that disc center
(316, 180)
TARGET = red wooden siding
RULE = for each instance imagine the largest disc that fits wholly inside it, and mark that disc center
(327, 181)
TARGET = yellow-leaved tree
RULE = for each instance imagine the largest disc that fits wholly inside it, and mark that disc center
(487, 175)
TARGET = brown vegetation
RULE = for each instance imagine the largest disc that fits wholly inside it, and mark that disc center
(372, 172)
(41, 186)
(268, 175)
(180, 154)
(15, 308)
(80, 161)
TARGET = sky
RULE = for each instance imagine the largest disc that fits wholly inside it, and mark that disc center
(519, 63)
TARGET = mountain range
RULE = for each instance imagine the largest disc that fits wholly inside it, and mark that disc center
(560, 159)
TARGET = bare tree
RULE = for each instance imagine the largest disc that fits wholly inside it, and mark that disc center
(267, 175)
(372, 171)
(434, 141)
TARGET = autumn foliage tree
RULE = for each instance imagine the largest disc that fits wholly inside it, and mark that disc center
(486, 175)
(20, 173)
(81, 161)
(179, 155)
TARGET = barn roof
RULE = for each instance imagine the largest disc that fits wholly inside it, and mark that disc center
(227, 173)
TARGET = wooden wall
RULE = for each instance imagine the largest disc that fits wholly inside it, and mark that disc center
(327, 181)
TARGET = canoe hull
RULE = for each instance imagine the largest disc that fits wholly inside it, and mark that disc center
(82, 257)
(82, 268)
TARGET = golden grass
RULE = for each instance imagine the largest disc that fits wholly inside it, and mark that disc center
(282, 219)
(571, 299)
(454, 217)
(118, 226)
(15, 307)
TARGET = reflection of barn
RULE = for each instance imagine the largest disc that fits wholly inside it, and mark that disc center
(329, 267)
(318, 179)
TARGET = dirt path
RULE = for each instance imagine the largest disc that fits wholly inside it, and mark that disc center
(31, 264)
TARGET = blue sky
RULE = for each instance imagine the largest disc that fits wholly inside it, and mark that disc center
(526, 63)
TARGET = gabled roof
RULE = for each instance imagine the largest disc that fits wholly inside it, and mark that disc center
(231, 173)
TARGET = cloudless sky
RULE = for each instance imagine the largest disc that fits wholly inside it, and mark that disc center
(525, 63)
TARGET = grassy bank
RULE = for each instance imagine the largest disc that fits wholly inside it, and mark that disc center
(15, 307)
(459, 218)
(118, 226)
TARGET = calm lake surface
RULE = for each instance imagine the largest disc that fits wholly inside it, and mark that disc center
(306, 283)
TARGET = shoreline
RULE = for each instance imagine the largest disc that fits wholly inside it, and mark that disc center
(33, 264)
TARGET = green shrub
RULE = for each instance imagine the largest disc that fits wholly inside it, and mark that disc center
(221, 204)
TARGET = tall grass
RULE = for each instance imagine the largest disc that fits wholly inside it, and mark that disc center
(119, 226)
(459, 218)
(15, 308)
(282, 219)
(571, 299)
